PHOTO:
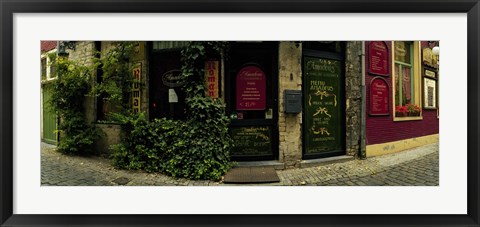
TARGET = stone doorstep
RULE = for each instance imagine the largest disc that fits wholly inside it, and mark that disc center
(325, 161)
(275, 164)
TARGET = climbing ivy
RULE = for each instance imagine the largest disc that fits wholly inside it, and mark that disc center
(197, 148)
(69, 92)
(116, 80)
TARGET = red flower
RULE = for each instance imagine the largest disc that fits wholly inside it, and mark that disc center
(401, 109)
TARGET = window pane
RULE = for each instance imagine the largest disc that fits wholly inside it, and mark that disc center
(406, 85)
(167, 45)
(397, 85)
(402, 51)
(53, 72)
(44, 68)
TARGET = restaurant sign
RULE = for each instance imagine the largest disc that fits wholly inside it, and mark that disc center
(378, 58)
(172, 78)
(379, 93)
(252, 140)
(211, 78)
(251, 86)
(323, 97)
(137, 72)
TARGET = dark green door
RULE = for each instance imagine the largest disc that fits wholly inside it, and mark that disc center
(323, 105)
(49, 120)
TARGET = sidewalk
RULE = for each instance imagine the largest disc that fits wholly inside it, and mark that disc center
(418, 166)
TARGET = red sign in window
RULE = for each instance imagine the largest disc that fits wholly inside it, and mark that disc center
(251, 88)
(378, 58)
(379, 94)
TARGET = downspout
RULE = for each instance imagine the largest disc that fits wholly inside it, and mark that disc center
(362, 150)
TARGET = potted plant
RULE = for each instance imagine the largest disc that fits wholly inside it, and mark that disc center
(413, 110)
(401, 111)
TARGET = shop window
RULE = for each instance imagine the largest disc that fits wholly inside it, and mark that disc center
(103, 106)
(406, 80)
(430, 75)
(167, 99)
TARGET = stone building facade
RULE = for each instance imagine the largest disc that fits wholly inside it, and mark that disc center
(285, 70)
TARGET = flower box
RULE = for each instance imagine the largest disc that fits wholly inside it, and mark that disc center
(409, 110)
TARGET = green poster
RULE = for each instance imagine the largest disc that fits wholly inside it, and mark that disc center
(322, 105)
(252, 140)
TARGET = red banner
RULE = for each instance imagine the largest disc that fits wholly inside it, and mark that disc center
(251, 86)
(211, 78)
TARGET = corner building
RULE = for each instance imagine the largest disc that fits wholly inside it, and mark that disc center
(289, 102)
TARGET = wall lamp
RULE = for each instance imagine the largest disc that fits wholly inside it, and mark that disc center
(434, 46)
(62, 47)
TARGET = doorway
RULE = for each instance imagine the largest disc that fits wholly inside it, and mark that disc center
(324, 99)
(251, 94)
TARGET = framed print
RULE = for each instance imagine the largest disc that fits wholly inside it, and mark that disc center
(271, 41)
(429, 93)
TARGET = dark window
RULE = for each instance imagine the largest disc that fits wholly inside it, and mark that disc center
(44, 68)
(102, 105)
(164, 83)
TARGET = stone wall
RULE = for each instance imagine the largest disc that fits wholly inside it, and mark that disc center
(290, 125)
(290, 77)
(83, 54)
(110, 136)
(353, 96)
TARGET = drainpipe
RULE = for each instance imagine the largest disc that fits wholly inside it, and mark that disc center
(362, 152)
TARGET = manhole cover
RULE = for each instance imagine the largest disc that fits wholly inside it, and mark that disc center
(121, 181)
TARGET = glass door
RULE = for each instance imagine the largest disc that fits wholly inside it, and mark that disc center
(251, 96)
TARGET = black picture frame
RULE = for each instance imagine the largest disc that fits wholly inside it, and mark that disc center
(10, 7)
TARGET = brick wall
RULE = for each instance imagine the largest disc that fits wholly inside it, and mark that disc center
(382, 129)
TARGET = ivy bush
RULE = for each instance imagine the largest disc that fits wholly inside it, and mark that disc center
(197, 148)
(68, 96)
(116, 80)
(178, 148)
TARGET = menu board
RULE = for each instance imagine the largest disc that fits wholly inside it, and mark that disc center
(378, 58)
(253, 140)
(430, 93)
(251, 88)
(323, 97)
(379, 93)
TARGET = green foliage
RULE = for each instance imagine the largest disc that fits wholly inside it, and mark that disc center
(116, 81)
(67, 101)
(198, 148)
(180, 149)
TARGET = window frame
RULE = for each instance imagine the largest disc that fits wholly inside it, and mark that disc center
(415, 59)
(48, 76)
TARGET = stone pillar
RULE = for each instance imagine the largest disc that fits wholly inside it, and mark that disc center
(290, 78)
(353, 95)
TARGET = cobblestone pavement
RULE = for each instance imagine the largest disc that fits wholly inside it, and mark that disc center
(413, 167)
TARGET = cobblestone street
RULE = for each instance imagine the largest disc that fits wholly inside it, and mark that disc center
(419, 166)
